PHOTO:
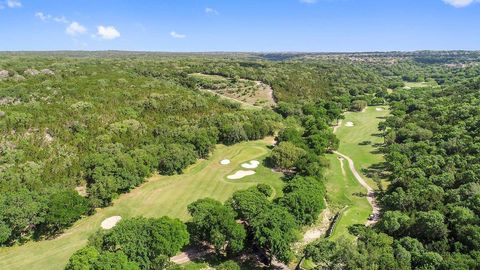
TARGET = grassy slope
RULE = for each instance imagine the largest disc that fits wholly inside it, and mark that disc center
(161, 195)
(340, 188)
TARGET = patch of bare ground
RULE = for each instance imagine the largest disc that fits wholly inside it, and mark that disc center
(319, 229)
(254, 93)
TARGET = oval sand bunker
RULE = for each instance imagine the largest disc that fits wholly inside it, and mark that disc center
(349, 124)
(251, 165)
(240, 174)
(110, 222)
(379, 109)
(225, 162)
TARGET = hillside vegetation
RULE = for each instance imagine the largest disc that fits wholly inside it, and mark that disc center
(79, 129)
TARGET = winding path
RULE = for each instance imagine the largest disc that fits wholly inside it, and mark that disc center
(370, 191)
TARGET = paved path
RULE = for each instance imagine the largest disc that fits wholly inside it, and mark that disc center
(370, 192)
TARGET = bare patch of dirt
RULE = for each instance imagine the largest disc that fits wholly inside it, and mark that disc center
(254, 93)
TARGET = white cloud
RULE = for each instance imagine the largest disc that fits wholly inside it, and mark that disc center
(14, 3)
(107, 32)
(61, 19)
(308, 1)
(177, 35)
(460, 3)
(211, 11)
(46, 17)
(42, 16)
(75, 29)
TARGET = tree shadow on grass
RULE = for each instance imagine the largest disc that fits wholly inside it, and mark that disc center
(248, 259)
(378, 170)
(365, 143)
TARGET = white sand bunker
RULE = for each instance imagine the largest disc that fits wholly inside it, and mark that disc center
(349, 124)
(251, 165)
(110, 222)
(240, 174)
(379, 109)
(225, 162)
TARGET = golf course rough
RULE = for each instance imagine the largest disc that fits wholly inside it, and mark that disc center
(159, 196)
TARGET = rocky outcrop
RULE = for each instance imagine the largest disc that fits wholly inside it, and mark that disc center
(31, 72)
(47, 71)
(4, 74)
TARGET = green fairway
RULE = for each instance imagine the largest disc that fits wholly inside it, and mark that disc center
(365, 128)
(340, 195)
(161, 195)
(409, 85)
(343, 190)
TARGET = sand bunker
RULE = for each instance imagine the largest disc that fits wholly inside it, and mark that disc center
(251, 165)
(379, 109)
(110, 222)
(240, 174)
(225, 162)
(349, 124)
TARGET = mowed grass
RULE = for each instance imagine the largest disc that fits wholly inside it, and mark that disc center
(159, 196)
(365, 129)
(342, 195)
(343, 190)
(420, 84)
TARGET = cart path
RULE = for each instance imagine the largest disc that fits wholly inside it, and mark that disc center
(370, 191)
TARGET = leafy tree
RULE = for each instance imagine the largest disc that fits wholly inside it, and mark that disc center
(215, 223)
(274, 230)
(327, 254)
(142, 239)
(358, 105)
(114, 260)
(64, 208)
(90, 258)
(265, 189)
(228, 265)
(175, 157)
(5, 232)
(83, 259)
(249, 203)
(286, 155)
(394, 223)
(304, 199)
(21, 212)
(103, 191)
(430, 226)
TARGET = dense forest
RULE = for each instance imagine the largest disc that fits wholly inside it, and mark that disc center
(430, 217)
(78, 129)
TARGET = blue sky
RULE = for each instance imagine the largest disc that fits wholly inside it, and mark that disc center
(240, 25)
